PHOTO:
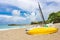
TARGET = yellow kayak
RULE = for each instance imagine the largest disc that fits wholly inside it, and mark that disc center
(42, 30)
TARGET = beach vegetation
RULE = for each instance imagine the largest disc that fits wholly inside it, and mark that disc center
(53, 17)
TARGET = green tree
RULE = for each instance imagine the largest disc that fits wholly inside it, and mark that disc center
(54, 17)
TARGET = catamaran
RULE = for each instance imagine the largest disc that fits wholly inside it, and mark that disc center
(42, 30)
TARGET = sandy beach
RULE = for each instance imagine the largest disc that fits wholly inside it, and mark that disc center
(20, 34)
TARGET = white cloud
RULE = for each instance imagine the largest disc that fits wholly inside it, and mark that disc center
(16, 18)
(33, 17)
(53, 0)
(31, 5)
(11, 19)
(24, 4)
(16, 12)
(53, 6)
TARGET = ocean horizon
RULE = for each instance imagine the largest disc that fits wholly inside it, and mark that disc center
(6, 27)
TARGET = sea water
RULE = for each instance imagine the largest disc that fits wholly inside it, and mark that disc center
(6, 27)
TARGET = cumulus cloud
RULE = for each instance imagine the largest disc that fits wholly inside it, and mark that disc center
(11, 19)
(16, 12)
(34, 16)
(53, 6)
(47, 6)
(28, 5)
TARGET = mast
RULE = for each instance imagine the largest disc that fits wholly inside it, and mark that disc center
(40, 10)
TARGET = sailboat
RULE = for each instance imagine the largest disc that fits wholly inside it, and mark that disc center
(42, 30)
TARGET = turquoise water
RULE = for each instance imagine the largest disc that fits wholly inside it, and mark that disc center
(7, 27)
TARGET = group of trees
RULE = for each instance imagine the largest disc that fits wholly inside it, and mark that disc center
(40, 22)
(53, 17)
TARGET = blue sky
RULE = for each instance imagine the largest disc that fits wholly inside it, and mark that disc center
(25, 11)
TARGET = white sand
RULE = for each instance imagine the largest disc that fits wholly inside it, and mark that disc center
(20, 34)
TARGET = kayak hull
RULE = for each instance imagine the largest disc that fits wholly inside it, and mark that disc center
(42, 30)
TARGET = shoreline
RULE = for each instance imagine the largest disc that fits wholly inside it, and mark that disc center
(8, 29)
(27, 27)
(20, 34)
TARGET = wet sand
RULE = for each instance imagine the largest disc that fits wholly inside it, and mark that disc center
(20, 34)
